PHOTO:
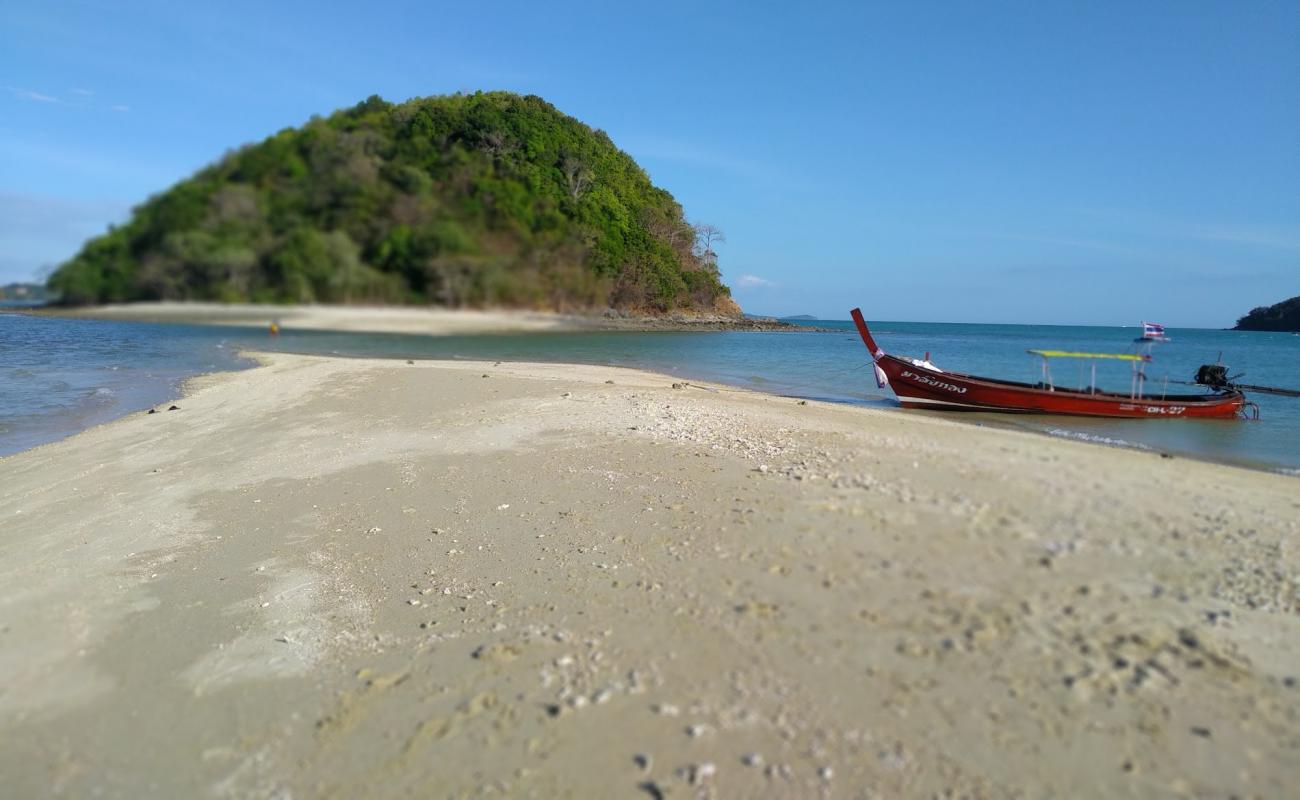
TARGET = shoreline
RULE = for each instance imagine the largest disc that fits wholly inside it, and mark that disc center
(1052, 434)
(427, 321)
(330, 576)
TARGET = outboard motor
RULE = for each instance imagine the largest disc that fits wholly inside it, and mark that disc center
(1214, 376)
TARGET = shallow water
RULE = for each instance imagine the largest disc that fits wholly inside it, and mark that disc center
(60, 376)
(52, 370)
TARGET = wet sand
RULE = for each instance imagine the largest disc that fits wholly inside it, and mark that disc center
(343, 578)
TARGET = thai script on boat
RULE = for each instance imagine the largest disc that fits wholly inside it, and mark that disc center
(927, 380)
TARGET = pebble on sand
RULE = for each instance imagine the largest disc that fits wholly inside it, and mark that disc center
(697, 774)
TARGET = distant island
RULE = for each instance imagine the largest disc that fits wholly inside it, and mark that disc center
(799, 316)
(1283, 316)
(23, 294)
(488, 199)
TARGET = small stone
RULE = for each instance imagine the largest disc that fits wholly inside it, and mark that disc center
(567, 394)
(412, 602)
(653, 789)
(153, 411)
(578, 701)
(667, 710)
(174, 408)
(697, 774)
(762, 468)
(826, 773)
(677, 386)
(609, 382)
(643, 760)
(409, 361)
(485, 374)
(1204, 733)
(503, 507)
(264, 605)
(752, 760)
(696, 731)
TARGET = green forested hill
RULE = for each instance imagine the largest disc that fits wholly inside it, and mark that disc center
(483, 199)
(1284, 316)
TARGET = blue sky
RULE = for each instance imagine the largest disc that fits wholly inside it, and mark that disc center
(1090, 163)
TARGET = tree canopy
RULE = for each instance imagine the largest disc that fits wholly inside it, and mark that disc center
(464, 200)
(1283, 316)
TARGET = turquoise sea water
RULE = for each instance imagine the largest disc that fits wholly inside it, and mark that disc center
(59, 376)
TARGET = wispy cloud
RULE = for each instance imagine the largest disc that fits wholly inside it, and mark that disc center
(752, 281)
(688, 153)
(1057, 241)
(1256, 236)
(76, 98)
(29, 94)
(1151, 223)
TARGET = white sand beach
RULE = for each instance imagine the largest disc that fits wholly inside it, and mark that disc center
(428, 321)
(363, 578)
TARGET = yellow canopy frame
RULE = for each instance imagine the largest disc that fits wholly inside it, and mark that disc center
(1071, 354)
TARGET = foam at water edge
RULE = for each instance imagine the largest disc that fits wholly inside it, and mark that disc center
(1088, 437)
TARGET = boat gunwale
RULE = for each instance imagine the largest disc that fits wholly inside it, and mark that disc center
(1182, 400)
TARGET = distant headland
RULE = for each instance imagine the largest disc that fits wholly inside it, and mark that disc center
(487, 199)
(1283, 316)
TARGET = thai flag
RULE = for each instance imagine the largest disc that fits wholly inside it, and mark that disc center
(1151, 330)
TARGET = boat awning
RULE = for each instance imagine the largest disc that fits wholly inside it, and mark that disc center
(1072, 354)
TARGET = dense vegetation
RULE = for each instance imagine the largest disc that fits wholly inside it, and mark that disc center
(466, 200)
(1285, 316)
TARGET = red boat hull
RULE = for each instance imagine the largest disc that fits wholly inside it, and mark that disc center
(918, 386)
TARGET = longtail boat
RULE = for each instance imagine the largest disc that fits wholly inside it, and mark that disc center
(920, 384)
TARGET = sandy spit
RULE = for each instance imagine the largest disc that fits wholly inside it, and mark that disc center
(352, 319)
(427, 321)
(363, 578)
